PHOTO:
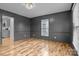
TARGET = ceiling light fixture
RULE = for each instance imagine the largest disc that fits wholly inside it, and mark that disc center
(29, 5)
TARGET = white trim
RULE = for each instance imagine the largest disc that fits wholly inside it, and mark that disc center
(12, 29)
(75, 24)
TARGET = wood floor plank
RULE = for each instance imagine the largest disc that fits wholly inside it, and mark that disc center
(37, 47)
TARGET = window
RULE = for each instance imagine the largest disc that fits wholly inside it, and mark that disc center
(45, 27)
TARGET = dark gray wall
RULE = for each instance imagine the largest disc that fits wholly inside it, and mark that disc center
(22, 28)
(60, 26)
(0, 29)
(21, 25)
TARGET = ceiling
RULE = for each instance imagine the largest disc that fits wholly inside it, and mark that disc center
(38, 10)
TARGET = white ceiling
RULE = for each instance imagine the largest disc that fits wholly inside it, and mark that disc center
(39, 9)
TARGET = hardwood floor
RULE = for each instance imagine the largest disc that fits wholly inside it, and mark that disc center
(37, 47)
(7, 41)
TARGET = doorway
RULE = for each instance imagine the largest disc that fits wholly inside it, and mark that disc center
(7, 30)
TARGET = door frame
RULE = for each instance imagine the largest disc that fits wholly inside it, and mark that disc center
(11, 28)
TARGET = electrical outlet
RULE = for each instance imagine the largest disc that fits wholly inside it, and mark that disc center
(55, 37)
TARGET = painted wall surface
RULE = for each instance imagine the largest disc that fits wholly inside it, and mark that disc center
(60, 26)
(22, 28)
(0, 29)
(21, 25)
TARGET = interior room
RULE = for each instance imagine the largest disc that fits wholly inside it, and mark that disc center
(39, 29)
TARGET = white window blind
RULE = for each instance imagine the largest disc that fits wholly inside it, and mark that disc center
(45, 27)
